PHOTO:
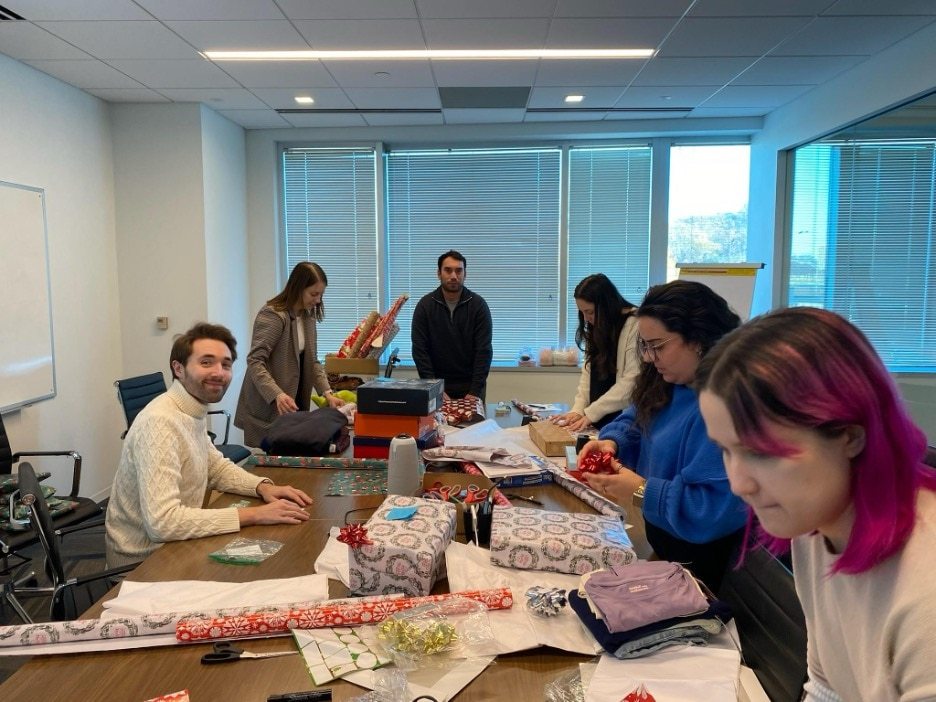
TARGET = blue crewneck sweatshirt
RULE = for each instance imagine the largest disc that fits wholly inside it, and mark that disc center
(687, 491)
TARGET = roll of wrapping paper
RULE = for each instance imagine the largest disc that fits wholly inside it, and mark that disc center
(367, 326)
(498, 499)
(581, 490)
(384, 324)
(358, 335)
(340, 463)
(351, 612)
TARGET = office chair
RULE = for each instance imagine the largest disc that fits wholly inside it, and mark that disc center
(12, 572)
(70, 595)
(392, 361)
(135, 393)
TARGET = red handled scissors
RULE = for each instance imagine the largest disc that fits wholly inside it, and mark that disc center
(227, 652)
(445, 492)
(475, 495)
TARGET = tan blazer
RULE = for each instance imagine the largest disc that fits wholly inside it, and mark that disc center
(273, 368)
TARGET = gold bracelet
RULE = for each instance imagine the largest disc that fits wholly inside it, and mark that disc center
(638, 498)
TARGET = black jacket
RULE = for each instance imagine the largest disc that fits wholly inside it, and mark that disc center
(455, 347)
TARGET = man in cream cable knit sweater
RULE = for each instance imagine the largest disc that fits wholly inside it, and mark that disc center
(168, 461)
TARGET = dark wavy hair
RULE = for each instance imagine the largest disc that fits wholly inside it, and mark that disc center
(182, 345)
(694, 311)
(599, 341)
(811, 368)
(304, 275)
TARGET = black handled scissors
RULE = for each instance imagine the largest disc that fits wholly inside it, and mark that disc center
(226, 652)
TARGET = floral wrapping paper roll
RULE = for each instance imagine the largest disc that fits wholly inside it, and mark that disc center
(350, 612)
(581, 490)
(561, 542)
(340, 463)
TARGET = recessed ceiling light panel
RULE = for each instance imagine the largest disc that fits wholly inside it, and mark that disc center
(434, 54)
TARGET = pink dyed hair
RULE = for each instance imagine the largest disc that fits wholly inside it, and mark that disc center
(811, 368)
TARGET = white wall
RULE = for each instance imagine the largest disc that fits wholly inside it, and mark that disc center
(55, 137)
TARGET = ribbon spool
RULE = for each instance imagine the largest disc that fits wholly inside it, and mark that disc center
(403, 473)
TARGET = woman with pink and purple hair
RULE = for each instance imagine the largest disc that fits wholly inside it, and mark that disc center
(817, 441)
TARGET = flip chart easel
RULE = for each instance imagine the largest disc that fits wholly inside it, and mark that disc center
(733, 281)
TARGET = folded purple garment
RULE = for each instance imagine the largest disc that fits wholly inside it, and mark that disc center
(644, 592)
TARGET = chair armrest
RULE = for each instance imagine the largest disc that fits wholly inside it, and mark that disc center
(74, 455)
(90, 524)
(109, 573)
(227, 422)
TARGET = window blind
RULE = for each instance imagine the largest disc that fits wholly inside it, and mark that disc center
(500, 209)
(609, 221)
(875, 263)
(329, 217)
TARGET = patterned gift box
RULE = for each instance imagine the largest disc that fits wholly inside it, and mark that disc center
(534, 539)
(406, 554)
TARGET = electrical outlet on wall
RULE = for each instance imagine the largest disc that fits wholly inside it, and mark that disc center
(162, 323)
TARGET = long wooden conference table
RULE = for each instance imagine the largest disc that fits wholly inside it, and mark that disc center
(139, 674)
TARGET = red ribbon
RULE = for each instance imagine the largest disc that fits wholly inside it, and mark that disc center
(597, 462)
(639, 694)
(355, 535)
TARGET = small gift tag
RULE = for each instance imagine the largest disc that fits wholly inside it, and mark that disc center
(401, 512)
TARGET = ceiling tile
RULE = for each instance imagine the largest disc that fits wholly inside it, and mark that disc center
(668, 96)
(730, 36)
(757, 8)
(326, 98)
(692, 71)
(601, 72)
(607, 33)
(394, 98)
(485, 34)
(348, 9)
(796, 70)
(756, 96)
(123, 40)
(256, 119)
(235, 35)
(476, 116)
(325, 120)
(856, 36)
(212, 9)
(337, 35)
(473, 74)
(216, 98)
(86, 74)
(22, 40)
(386, 119)
(454, 9)
(39, 10)
(645, 114)
(589, 116)
(362, 74)
(707, 111)
(876, 7)
(594, 96)
(621, 8)
(127, 95)
(175, 74)
(278, 74)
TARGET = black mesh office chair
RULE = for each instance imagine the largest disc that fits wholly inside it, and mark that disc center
(15, 579)
(135, 393)
(70, 595)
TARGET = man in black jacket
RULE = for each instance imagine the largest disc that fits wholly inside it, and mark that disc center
(452, 333)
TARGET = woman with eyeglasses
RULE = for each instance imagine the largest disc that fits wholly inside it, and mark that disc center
(666, 461)
(818, 443)
(607, 334)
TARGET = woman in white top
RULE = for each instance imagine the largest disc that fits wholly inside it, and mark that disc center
(607, 334)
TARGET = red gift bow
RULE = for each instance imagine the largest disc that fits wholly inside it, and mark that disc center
(597, 462)
(639, 694)
(355, 535)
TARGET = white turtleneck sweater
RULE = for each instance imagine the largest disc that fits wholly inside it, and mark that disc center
(167, 464)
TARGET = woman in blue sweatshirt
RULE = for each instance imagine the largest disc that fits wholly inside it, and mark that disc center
(667, 461)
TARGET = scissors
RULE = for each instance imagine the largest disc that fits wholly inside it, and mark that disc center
(445, 492)
(228, 652)
(475, 495)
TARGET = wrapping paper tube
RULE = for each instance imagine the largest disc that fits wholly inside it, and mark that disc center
(499, 499)
(383, 325)
(581, 490)
(340, 463)
(350, 612)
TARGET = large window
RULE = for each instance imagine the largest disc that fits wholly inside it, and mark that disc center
(862, 241)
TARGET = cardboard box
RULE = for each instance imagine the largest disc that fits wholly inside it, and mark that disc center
(351, 366)
(549, 438)
(389, 425)
(415, 397)
(407, 555)
(534, 539)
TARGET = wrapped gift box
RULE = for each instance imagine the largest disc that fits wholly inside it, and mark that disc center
(379, 446)
(407, 554)
(389, 425)
(534, 539)
(408, 396)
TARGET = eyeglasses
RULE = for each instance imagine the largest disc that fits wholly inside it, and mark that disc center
(651, 351)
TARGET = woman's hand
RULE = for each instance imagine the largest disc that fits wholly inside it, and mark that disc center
(566, 419)
(333, 400)
(599, 445)
(285, 404)
(619, 487)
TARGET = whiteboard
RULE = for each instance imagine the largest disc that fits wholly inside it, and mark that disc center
(27, 359)
(733, 281)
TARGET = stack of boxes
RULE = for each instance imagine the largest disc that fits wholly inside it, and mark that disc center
(387, 407)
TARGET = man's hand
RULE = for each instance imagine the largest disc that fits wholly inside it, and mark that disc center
(473, 398)
(270, 493)
(275, 512)
(285, 404)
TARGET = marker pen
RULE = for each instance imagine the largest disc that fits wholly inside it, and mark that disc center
(308, 696)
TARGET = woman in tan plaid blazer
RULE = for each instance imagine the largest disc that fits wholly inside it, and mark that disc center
(283, 366)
